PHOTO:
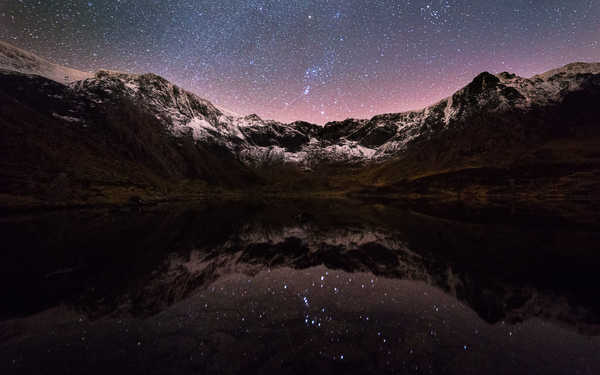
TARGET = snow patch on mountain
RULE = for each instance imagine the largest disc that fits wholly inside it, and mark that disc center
(16, 59)
(66, 118)
(551, 86)
(348, 150)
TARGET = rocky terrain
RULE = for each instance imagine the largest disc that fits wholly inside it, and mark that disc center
(70, 136)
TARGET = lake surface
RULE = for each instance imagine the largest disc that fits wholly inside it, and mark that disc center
(305, 286)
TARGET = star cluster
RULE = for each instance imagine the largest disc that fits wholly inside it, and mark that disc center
(314, 60)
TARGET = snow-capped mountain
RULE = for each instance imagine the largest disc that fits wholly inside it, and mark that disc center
(387, 134)
(16, 59)
(254, 140)
(251, 138)
(127, 135)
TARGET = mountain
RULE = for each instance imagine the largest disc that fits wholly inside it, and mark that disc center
(72, 136)
(250, 138)
(256, 140)
(506, 134)
(200, 243)
(58, 145)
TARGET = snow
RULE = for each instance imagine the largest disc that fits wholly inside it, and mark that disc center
(16, 59)
(228, 112)
(184, 113)
(66, 118)
(199, 127)
(570, 70)
(548, 87)
(132, 86)
(449, 111)
(349, 149)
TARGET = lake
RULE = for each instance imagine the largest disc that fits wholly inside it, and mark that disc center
(291, 287)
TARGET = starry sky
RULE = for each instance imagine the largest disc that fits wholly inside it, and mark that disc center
(313, 60)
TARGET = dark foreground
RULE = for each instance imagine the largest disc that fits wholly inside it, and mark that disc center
(299, 287)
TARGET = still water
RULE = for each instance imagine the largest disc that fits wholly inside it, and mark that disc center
(298, 287)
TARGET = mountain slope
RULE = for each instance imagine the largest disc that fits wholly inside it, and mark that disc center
(58, 145)
(250, 138)
(508, 132)
(16, 59)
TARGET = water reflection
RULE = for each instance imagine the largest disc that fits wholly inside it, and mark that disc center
(292, 287)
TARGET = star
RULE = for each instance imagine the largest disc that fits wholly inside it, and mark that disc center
(365, 57)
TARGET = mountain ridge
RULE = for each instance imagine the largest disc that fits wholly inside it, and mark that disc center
(139, 134)
(362, 139)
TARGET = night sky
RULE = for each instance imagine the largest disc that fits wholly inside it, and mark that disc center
(311, 60)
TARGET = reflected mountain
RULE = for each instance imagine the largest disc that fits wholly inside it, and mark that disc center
(139, 263)
(326, 286)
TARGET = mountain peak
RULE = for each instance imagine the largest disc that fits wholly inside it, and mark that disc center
(253, 117)
(483, 81)
(506, 76)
